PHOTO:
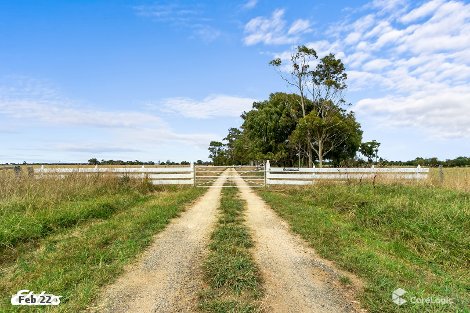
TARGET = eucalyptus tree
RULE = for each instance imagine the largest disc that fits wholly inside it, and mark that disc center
(337, 134)
(370, 150)
(299, 76)
(217, 152)
(323, 82)
(269, 124)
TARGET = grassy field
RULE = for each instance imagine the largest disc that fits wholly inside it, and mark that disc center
(454, 178)
(233, 280)
(392, 236)
(69, 237)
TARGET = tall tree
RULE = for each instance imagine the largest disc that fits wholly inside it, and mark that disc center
(370, 150)
(238, 148)
(325, 84)
(328, 133)
(217, 152)
(299, 77)
(93, 161)
(268, 127)
(328, 83)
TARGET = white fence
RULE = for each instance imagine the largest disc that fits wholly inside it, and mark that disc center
(307, 176)
(204, 176)
(157, 175)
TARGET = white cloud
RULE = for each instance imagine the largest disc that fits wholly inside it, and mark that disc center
(172, 13)
(250, 4)
(376, 64)
(352, 38)
(274, 30)
(389, 7)
(421, 69)
(299, 26)
(32, 104)
(414, 58)
(93, 148)
(188, 16)
(210, 107)
(442, 113)
(422, 11)
(51, 112)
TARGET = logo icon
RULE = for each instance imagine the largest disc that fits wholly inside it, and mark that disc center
(397, 296)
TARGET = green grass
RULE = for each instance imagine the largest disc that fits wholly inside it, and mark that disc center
(233, 280)
(391, 236)
(75, 245)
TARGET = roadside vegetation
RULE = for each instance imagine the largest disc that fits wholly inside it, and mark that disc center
(233, 280)
(390, 235)
(71, 236)
(456, 178)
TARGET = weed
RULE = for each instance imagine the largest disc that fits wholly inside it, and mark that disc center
(233, 279)
(390, 235)
(72, 236)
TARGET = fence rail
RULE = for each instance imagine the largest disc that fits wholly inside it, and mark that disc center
(204, 176)
(157, 175)
(307, 176)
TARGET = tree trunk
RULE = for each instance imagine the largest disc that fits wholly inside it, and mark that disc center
(310, 156)
(302, 98)
(320, 153)
(302, 104)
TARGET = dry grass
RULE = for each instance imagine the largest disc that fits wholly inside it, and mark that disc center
(457, 178)
(454, 178)
(390, 235)
(71, 236)
(24, 167)
(233, 279)
(50, 190)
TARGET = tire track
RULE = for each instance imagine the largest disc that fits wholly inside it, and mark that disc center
(168, 276)
(295, 278)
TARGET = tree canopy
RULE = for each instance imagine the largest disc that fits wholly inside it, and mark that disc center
(311, 125)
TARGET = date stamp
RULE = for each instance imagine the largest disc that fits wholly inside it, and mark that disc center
(27, 297)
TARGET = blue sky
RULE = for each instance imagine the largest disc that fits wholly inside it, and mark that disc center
(155, 80)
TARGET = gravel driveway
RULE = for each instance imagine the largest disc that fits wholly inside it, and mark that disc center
(295, 278)
(168, 276)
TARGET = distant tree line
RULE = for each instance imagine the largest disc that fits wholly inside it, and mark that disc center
(94, 161)
(430, 162)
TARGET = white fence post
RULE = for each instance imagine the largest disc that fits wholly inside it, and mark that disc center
(267, 168)
(193, 171)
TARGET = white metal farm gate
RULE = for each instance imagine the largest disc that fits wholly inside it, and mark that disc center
(205, 176)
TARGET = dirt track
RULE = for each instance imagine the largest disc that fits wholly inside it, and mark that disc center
(295, 278)
(168, 277)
